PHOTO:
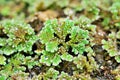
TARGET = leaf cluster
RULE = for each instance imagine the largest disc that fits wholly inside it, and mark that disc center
(59, 38)
(19, 36)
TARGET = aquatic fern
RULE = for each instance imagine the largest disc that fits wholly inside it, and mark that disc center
(59, 38)
(19, 37)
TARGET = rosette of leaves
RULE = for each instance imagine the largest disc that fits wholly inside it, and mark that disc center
(19, 36)
(111, 15)
(91, 10)
(82, 63)
(85, 23)
(114, 9)
(62, 41)
(111, 45)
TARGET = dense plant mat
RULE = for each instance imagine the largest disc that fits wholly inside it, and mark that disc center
(59, 39)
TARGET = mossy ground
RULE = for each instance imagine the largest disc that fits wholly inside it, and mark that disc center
(97, 21)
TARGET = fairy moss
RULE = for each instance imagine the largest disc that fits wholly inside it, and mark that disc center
(59, 39)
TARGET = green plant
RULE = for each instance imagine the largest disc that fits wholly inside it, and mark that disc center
(2, 60)
(81, 44)
(19, 37)
(82, 62)
(59, 39)
(13, 66)
(115, 9)
(111, 47)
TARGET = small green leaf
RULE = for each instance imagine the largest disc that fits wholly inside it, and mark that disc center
(62, 3)
(117, 58)
(79, 48)
(46, 58)
(52, 46)
(46, 34)
(56, 60)
(67, 57)
(74, 32)
(2, 60)
(7, 50)
(2, 41)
